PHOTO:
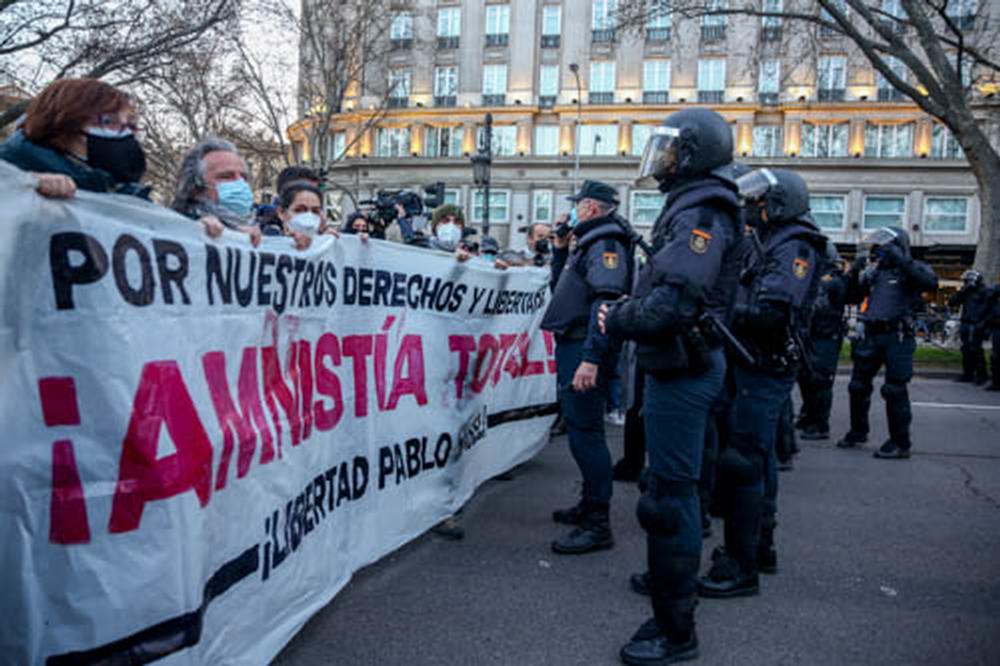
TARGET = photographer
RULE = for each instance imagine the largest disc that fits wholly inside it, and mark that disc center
(537, 251)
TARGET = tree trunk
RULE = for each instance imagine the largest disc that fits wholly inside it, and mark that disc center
(985, 163)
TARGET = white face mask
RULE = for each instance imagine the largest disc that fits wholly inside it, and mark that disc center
(307, 223)
(449, 233)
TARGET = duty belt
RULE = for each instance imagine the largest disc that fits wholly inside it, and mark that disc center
(880, 327)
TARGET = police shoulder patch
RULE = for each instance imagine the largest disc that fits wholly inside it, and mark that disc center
(610, 260)
(800, 268)
(699, 241)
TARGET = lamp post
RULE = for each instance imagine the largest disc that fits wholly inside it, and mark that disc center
(575, 68)
(481, 163)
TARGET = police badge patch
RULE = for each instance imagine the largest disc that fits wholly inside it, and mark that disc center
(610, 260)
(800, 268)
(699, 241)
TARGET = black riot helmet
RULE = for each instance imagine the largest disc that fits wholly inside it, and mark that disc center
(783, 195)
(889, 236)
(689, 143)
(973, 278)
(832, 255)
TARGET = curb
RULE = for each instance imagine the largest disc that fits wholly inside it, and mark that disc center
(922, 373)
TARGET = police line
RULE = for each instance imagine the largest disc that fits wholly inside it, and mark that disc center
(202, 441)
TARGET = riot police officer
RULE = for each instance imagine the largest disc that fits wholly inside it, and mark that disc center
(993, 324)
(776, 292)
(597, 270)
(974, 298)
(690, 277)
(889, 290)
(826, 336)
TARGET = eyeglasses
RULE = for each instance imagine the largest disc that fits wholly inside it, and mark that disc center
(113, 123)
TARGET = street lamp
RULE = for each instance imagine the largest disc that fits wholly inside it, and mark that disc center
(481, 163)
(575, 68)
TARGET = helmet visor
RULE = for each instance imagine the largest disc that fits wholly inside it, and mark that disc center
(660, 156)
(881, 237)
(755, 185)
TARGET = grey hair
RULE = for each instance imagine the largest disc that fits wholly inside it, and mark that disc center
(191, 175)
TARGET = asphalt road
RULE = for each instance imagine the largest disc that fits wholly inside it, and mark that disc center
(881, 562)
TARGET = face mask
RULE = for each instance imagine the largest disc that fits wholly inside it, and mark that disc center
(307, 223)
(573, 219)
(449, 233)
(118, 153)
(235, 195)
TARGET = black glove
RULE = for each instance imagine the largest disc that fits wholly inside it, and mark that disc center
(859, 263)
(891, 255)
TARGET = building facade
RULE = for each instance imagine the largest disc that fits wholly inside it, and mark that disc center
(560, 80)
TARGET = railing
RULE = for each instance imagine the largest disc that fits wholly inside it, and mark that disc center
(657, 34)
(711, 96)
(601, 98)
(831, 94)
(398, 102)
(603, 36)
(889, 95)
(494, 100)
(445, 100)
(768, 98)
(656, 97)
(550, 41)
(713, 33)
(401, 43)
(498, 39)
(448, 42)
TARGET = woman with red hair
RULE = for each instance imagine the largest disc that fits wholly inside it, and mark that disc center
(79, 133)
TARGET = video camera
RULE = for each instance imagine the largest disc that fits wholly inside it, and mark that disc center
(384, 204)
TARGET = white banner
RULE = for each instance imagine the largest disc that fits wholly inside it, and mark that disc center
(202, 441)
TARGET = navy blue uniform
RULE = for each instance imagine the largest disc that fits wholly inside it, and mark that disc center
(693, 271)
(889, 293)
(993, 325)
(975, 303)
(596, 271)
(825, 338)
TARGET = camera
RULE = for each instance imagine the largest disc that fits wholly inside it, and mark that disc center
(541, 251)
(384, 204)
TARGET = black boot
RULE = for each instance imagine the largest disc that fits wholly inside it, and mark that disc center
(668, 638)
(767, 555)
(851, 440)
(815, 432)
(625, 470)
(725, 580)
(592, 534)
(571, 516)
(891, 451)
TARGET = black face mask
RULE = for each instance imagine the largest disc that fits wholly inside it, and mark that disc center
(120, 156)
(752, 215)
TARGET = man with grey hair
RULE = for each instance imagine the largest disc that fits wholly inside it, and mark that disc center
(212, 188)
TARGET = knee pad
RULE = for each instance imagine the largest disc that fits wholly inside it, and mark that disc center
(741, 467)
(894, 392)
(657, 512)
(857, 386)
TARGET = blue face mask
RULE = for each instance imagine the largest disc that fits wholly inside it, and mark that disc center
(236, 196)
(573, 219)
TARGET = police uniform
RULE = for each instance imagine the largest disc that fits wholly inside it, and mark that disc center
(596, 271)
(825, 338)
(889, 292)
(691, 274)
(993, 324)
(974, 299)
(772, 305)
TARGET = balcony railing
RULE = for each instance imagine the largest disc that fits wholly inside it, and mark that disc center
(604, 36)
(448, 42)
(601, 98)
(445, 100)
(831, 94)
(713, 33)
(547, 101)
(494, 100)
(656, 97)
(657, 34)
(398, 102)
(889, 95)
(711, 96)
(501, 39)
(401, 43)
(768, 98)
(771, 33)
(550, 41)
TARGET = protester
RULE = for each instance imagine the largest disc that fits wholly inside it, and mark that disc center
(300, 209)
(79, 134)
(296, 173)
(537, 250)
(357, 223)
(212, 188)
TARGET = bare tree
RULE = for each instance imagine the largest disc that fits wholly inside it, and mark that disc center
(948, 53)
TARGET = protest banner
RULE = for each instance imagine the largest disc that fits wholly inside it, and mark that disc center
(203, 440)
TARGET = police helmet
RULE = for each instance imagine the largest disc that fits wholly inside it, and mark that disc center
(833, 255)
(690, 143)
(972, 277)
(783, 194)
(889, 236)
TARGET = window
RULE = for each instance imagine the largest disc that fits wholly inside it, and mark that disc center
(445, 81)
(504, 140)
(399, 83)
(640, 137)
(944, 145)
(499, 206)
(495, 79)
(602, 76)
(547, 140)
(886, 91)
(947, 215)
(339, 145)
(711, 80)
(714, 19)
(963, 13)
(824, 140)
(884, 212)
(598, 139)
(828, 17)
(767, 141)
(402, 26)
(832, 78)
(541, 203)
(443, 142)
(775, 7)
(548, 81)
(452, 197)
(392, 142)
(551, 20)
(770, 77)
(659, 16)
(966, 63)
(656, 76)
(497, 19)
(889, 140)
(828, 211)
(449, 22)
(604, 14)
(645, 207)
